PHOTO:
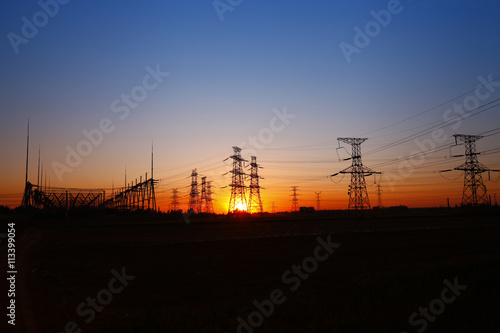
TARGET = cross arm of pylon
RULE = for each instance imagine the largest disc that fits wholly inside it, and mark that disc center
(476, 167)
(363, 169)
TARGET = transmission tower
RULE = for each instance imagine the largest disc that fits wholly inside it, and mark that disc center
(273, 208)
(194, 195)
(295, 201)
(379, 196)
(237, 201)
(318, 203)
(209, 206)
(358, 195)
(254, 200)
(174, 205)
(203, 200)
(206, 196)
(474, 192)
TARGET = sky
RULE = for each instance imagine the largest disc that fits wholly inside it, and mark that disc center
(101, 80)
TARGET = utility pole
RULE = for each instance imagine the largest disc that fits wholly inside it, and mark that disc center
(27, 151)
(150, 184)
(358, 195)
(295, 201)
(474, 191)
(254, 201)
(318, 203)
(237, 201)
(27, 197)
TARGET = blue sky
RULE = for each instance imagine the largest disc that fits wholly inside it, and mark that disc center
(226, 77)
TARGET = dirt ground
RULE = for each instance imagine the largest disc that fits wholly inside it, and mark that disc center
(206, 276)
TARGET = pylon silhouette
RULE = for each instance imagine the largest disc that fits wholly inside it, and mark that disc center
(358, 195)
(206, 196)
(254, 200)
(174, 205)
(194, 195)
(318, 203)
(474, 192)
(237, 201)
(295, 200)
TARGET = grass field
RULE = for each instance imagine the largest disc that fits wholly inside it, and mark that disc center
(203, 276)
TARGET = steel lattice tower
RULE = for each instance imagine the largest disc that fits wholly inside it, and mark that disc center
(254, 200)
(295, 200)
(379, 196)
(203, 200)
(238, 201)
(206, 196)
(318, 202)
(174, 205)
(209, 206)
(194, 195)
(358, 195)
(474, 192)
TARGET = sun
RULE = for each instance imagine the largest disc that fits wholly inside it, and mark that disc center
(241, 207)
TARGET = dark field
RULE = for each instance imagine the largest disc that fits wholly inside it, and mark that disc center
(202, 276)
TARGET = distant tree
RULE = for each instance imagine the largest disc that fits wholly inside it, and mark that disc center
(4, 210)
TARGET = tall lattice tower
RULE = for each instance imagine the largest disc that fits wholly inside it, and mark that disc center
(379, 196)
(358, 195)
(254, 200)
(318, 201)
(174, 204)
(194, 195)
(203, 199)
(237, 201)
(295, 200)
(209, 205)
(273, 208)
(474, 192)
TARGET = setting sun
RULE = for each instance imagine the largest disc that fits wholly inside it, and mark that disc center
(241, 207)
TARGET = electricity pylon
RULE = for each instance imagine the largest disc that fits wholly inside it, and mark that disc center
(174, 205)
(254, 200)
(474, 192)
(358, 195)
(295, 200)
(203, 199)
(237, 201)
(209, 206)
(379, 196)
(318, 203)
(194, 195)
(273, 208)
(206, 196)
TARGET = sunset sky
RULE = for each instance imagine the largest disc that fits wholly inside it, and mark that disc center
(281, 79)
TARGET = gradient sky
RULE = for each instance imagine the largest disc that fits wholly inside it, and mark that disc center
(225, 79)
